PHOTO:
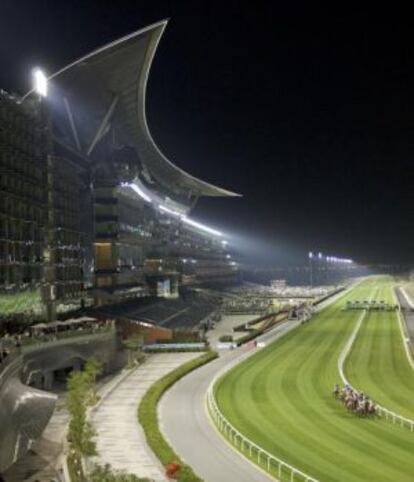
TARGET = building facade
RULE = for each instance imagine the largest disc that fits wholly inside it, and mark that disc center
(87, 195)
(41, 244)
(23, 177)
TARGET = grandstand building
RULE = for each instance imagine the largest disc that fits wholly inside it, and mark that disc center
(40, 238)
(98, 202)
(22, 194)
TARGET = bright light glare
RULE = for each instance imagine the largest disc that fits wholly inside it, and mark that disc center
(139, 191)
(177, 214)
(203, 227)
(189, 221)
(334, 259)
(40, 82)
(168, 210)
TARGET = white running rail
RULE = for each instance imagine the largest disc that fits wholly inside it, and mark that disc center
(403, 326)
(273, 465)
(247, 447)
(382, 411)
(408, 299)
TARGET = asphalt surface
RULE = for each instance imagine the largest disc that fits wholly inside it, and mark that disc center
(186, 424)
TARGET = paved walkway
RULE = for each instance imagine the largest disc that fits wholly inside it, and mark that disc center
(120, 439)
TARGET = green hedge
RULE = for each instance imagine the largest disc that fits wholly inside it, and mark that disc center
(175, 350)
(250, 336)
(147, 416)
(179, 339)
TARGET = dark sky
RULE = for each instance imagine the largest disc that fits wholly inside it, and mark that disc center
(308, 112)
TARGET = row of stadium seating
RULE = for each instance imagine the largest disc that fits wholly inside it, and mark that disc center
(185, 312)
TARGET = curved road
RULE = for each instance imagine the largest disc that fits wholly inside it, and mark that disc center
(186, 424)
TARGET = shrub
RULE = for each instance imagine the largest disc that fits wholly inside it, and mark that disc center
(81, 395)
(250, 336)
(147, 416)
(105, 473)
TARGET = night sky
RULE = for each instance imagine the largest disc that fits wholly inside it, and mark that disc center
(307, 112)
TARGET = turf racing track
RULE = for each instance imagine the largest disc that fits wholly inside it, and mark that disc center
(281, 398)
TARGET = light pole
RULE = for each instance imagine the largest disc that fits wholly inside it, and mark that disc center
(310, 257)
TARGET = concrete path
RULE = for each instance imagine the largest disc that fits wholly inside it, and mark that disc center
(120, 439)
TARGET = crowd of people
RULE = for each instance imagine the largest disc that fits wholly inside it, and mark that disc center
(354, 401)
(48, 332)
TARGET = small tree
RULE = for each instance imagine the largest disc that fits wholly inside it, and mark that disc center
(80, 396)
(132, 345)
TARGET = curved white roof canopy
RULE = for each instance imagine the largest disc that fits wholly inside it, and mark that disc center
(104, 93)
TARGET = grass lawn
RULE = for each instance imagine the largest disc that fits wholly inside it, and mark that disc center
(20, 302)
(281, 398)
(378, 363)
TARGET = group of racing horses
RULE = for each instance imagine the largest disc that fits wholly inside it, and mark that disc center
(354, 401)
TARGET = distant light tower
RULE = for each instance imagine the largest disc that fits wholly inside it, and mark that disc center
(310, 257)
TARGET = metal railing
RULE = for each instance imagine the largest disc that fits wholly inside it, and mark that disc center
(264, 459)
(272, 464)
(381, 411)
(408, 346)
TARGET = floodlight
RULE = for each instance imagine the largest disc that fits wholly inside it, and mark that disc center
(139, 191)
(320, 255)
(310, 255)
(168, 210)
(203, 227)
(40, 82)
(189, 221)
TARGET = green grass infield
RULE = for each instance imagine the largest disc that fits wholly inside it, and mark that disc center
(281, 398)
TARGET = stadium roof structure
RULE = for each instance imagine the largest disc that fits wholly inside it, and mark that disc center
(104, 93)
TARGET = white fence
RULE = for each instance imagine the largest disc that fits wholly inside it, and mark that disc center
(264, 459)
(273, 465)
(381, 411)
(403, 328)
